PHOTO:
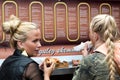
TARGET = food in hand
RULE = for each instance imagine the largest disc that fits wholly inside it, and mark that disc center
(58, 63)
(49, 61)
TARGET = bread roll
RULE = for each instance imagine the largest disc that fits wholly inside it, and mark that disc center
(57, 62)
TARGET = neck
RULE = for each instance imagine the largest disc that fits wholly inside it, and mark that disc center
(100, 47)
(97, 44)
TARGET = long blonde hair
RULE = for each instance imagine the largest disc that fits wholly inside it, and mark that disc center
(17, 29)
(105, 26)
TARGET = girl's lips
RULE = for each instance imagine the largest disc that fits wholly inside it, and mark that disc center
(36, 51)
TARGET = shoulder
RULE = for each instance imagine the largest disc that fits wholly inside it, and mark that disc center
(91, 59)
(19, 60)
(95, 55)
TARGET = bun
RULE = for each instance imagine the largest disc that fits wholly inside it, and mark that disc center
(57, 62)
(10, 26)
(51, 60)
(63, 64)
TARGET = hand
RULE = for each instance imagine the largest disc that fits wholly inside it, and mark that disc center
(48, 69)
(85, 50)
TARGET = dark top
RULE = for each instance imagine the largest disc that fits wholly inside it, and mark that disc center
(20, 67)
(92, 67)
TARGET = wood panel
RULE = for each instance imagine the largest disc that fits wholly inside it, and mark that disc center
(61, 23)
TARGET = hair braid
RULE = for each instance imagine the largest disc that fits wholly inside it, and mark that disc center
(109, 37)
(110, 57)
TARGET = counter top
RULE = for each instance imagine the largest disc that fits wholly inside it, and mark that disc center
(63, 71)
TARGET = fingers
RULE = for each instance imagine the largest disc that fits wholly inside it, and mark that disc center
(44, 63)
(41, 66)
(47, 67)
(84, 51)
(53, 66)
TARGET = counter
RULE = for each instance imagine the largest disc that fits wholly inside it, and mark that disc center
(63, 74)
(63, 71)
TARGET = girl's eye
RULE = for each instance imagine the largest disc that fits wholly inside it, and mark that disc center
(35, 40)
(40, 40)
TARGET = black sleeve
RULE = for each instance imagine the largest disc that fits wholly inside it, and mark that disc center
(33, 72)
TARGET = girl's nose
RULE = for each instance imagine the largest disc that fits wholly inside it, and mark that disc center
(39, 44)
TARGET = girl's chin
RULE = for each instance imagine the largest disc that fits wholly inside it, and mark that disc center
(35, 54)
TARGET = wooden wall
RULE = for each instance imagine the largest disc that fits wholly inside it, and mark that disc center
(61, 23)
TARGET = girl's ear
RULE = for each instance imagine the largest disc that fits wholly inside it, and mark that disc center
(20, 44)
(95, 36)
